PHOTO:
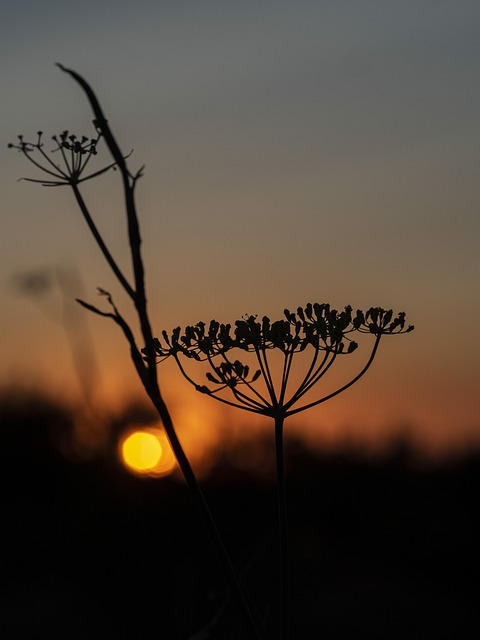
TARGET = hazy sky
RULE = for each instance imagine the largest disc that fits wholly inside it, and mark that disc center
(295, 152)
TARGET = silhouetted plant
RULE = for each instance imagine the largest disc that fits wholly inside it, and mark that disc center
(73, 156)
(318, 330)
(317, 327)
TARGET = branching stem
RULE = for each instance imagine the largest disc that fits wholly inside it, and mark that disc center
(316, 326)
(346, 386)
(147, 372)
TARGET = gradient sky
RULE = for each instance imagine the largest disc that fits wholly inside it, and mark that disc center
(295, 152)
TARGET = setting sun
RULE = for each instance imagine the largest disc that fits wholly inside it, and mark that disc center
(146, 452)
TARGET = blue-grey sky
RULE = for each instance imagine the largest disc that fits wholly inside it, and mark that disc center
(295, 152)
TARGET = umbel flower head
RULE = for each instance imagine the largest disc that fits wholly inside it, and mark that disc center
(317, 328)
(75, 153)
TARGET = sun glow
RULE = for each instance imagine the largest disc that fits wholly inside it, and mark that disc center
(147, 452)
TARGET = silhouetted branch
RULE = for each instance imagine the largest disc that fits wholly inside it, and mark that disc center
(316, 327)
(99, 240)
(75, 163)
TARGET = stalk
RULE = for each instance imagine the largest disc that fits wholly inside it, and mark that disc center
(283, 530)
(199, 499)
(148, 372)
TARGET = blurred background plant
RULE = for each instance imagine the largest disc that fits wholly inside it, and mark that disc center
(52, 289)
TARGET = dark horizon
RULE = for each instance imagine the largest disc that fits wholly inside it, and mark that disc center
(94, 431)
(379, 545)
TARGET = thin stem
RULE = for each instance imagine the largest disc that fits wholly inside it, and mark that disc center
(248, 385)
(37, 164)
(264, 374)
(65, 160)
(316, 351)
(99, 240)
(212, 393)
(262, 361)
(244, 407)
(345, 386)
(287, 364)
(242, 397)
(83, 166)
(204, 509)
(56, 167)
(282, 529)
(149, 380)
(79, 180)
(263, 353)
(74, 158)
(315, 377)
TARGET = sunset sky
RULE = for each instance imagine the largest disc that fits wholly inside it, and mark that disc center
(295, 152)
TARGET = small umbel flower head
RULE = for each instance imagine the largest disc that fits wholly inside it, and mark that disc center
(75, 154)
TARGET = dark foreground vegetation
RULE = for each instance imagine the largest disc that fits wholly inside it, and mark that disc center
(380, 548)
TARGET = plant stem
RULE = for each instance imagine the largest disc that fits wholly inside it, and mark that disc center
(202, 504)
(345, 386)
(282, 529)
(100, 242)
(148, 372)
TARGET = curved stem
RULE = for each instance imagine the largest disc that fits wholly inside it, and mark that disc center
(82, 167)
(58, 175)
(264, 368)
(148, 370)
(263, 404)
(212, 393)
(242, 397)
(315, 377)
(345, 386)
(99, 240)
(202, 504)
(307, 377)
(263, 353)
(51, 163)
(287, 364)
(65, 160)
(282, 529)
(244, 407)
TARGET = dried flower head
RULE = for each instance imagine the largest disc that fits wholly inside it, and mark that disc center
(326, 332)
(75, 154)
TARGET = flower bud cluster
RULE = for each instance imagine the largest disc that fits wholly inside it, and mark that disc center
(81, 145)
(25, 146)
(317, 325)
(71, 142)
(378, 321)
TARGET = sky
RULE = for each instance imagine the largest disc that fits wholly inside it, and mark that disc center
(295, 152)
